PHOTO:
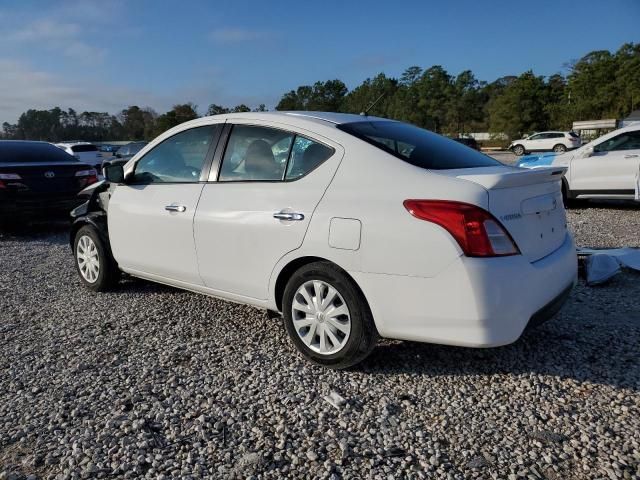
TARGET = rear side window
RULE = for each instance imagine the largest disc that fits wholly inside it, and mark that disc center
(306, 155)
(84, 148)
(31, 152)
(263, 154)
(417, 146)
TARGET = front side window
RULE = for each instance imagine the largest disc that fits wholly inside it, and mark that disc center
(624, 141)
(179, 159)
(417, 146)
(538, 136)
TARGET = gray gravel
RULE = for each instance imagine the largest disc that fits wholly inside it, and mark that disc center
(153, 382)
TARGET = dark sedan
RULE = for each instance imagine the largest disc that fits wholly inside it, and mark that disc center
(39, 178)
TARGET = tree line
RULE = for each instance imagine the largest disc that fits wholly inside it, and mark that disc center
(599, 85)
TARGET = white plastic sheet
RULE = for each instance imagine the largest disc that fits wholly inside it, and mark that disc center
(602, 264)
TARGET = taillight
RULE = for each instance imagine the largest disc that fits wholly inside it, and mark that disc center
(8, 176)
(91, 175)
(477, 232)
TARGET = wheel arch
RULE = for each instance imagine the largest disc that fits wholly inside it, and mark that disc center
(98, 220)
(290, 268)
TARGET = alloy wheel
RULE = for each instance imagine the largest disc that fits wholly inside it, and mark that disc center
(88, 259)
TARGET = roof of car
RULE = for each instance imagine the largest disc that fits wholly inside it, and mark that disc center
(324, 117)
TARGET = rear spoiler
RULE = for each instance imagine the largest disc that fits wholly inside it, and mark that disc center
(515, 177)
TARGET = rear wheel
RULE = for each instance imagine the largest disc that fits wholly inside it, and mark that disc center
(560, 148)
(518, 150)
(98, 270)
(327, 317)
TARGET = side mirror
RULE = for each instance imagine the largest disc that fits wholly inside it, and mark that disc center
(587, 152)
(114, 173)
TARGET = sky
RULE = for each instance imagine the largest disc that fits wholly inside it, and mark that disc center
(108, 54)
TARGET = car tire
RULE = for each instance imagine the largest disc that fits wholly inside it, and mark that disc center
(96, 267)
(342, 322)
(560, 148)
(518, 150)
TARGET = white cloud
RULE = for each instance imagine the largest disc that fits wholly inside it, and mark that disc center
(23, 87)
(44, 31)
(59, 36)
(237, 35)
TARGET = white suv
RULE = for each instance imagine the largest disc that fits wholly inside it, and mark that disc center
(606, 168)
(85, 152)
(353, 227)
(558, 142)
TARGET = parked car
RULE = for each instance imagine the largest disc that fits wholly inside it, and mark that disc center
(605, 168)
(469, 142)
(129, 150)
(558, 142)
(352, 227)
(39, 178)
(108, 148)
(83, 151)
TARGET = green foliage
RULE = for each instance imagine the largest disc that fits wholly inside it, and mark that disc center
(322, 96)
(177, 115)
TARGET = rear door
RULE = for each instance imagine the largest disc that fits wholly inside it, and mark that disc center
(611, 169)
(258, 206)
(151, 216)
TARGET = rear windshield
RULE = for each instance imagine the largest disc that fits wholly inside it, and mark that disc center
(417, 146)
(31, 152)
(84, 148)
(573, 134)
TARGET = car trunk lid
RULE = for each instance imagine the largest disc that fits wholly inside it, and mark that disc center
(45, 177)
(528, 203)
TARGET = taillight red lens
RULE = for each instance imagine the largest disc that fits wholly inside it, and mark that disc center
(477, 232)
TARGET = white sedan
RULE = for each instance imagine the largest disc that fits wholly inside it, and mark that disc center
(606, 168)
(352, 227)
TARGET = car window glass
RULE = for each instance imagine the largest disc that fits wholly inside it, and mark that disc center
(255, 154)
(417, 146)
(306, 155)
(539, 136)
(624, 141)
(179, 159)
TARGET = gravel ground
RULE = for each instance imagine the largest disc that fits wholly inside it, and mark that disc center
(150, 381)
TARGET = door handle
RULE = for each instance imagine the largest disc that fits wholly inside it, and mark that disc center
(175, 208)
(290, 216)
(631, 156)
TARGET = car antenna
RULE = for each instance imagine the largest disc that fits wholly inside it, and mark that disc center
(373, 104)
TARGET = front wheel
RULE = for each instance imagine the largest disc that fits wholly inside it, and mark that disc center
(327, 317)
(518, 150)
(98, 270)
(560, 148)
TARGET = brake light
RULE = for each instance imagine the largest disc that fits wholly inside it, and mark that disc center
(478, 233)
(91, 175)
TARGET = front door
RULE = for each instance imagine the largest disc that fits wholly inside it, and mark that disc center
(269, 184)
(151, 216)
(612, 168)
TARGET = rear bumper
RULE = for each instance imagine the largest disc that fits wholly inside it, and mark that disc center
(474, 302)
(16, 205)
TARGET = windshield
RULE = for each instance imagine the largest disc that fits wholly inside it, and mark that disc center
(31, 152)
(417, 146)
